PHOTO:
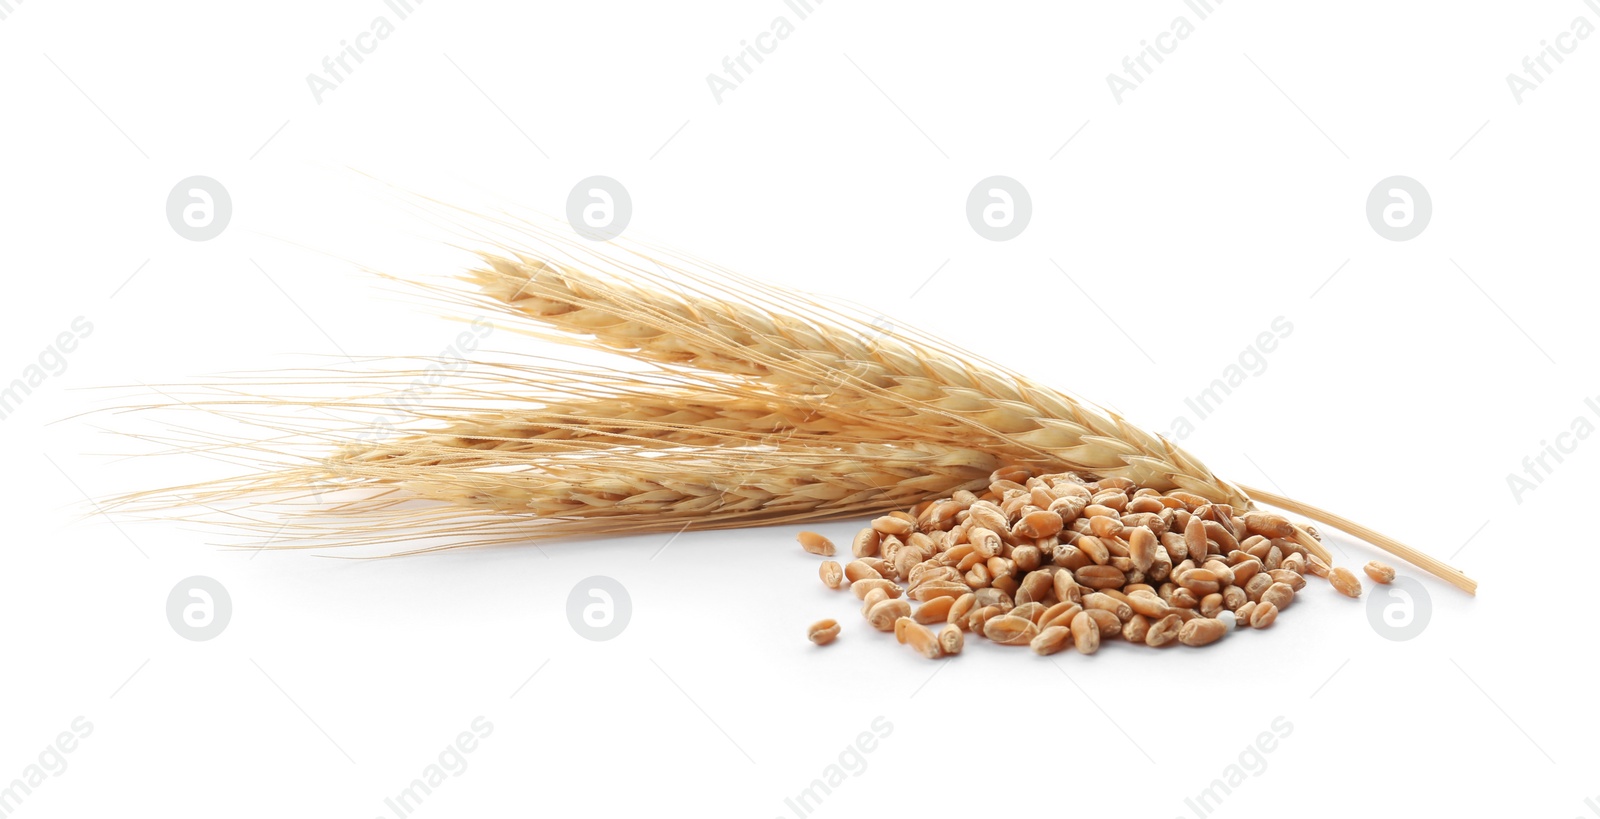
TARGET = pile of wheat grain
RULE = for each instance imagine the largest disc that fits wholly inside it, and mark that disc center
(1048, 560)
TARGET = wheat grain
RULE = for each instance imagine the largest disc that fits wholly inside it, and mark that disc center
(1345, 581)
(822, 632)
(815, 544)
(951, 640)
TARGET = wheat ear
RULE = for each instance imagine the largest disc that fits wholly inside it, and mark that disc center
(917, 386)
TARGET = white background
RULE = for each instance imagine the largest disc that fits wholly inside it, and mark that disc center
(1223, 192)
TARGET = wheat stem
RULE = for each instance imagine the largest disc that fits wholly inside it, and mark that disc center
(1422, 560)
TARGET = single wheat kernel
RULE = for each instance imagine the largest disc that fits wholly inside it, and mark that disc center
(908, 558)
(1189, 499)
(1289, 578)
(987, 542)
(890, 549)
(1175, 546)
(1107, 526)
(923, 641)
(822, 632)
(860, 570)
(1161, 566)
(1278, 594)
(1267, 524)
(951, 639)
(900, 625)
(1035, 586)
(1109, 625)
(1100, 510)
(1233, 598)
(1114, 499)
(1163, 631)
(931, 572)
(1258, 585)
(1211, 604)
(933, 611)
(1317, 566)
(1244, 612)
(1067, 589)
(1148, 604)
(1010, 630)
(1194, 537)
(1219, 533)
(960, 608)
(978, 577)
(1100, 577)
(937, 589)
(954, 555)
(1059, 615)
(1105, 602)
(1095, 548)
(989, 516)
(1118, 594)
(1345, 582)
(1201, 631)
(1069, 508)
(980, 616)
(1145, 503)
(1200, 582)
(1379, 572)
(1142, 547)
(1295, 563)
(1050, 640)
(892, 525)
(861, 587)
(1265, 614)
(874, 597)
(1085, 634)
(883, 615)
(1030, 611)
(1245, 569)
(1260, 550)
(1222, 571)
(865, 543)
(815, 543)
(831, 573)
(1136, 629)
(1037, 524)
